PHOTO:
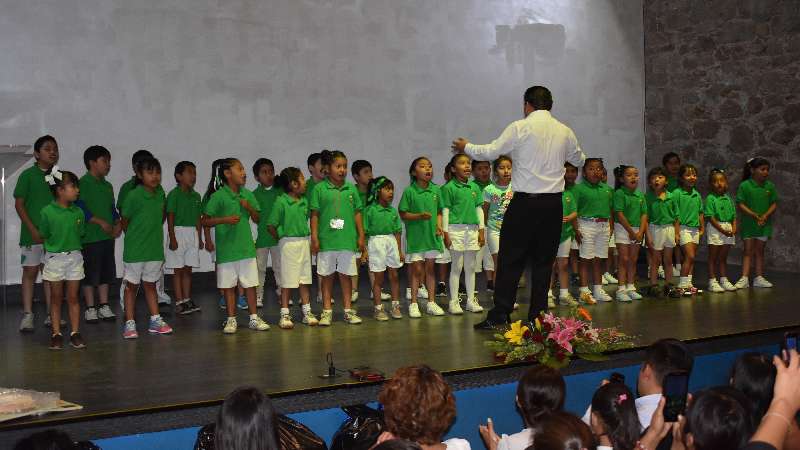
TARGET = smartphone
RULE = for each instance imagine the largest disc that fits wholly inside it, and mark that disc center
(616, 377)
(676, 389)
(789, 342)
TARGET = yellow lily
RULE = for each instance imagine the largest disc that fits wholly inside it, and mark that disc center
(514, 335)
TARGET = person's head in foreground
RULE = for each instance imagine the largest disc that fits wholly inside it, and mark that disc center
(563, 431)
(718, 418)
(662, 358)
(614, 418)
(246, 421)
(540, 392)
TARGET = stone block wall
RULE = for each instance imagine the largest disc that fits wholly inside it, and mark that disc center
(722, 84)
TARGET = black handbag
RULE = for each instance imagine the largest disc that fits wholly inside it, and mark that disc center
(292, 435)
(360, 430)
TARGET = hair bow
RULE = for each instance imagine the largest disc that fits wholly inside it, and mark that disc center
(621, 398)
(377, 184)
(55, 174)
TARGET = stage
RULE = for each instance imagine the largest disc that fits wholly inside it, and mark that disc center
(194, 368)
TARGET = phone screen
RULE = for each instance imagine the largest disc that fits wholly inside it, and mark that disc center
(676, 387)
(791, 342)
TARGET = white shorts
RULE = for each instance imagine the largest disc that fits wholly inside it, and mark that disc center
(690, 235)
(483, 259)
(621, 234)
(148, 271)
(187, 254)
(295, 265)
(715, 237)
(341, 261)
(759, 238)
(463, 237)
(383, 253)
(575, 245)
(422, 256)
(595, 238)
(661, 236)
(32, 256)
(63, 266)
(564, 248)
(493, 241)
(243, 272)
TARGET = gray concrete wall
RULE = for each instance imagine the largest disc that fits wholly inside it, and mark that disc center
(379, 79)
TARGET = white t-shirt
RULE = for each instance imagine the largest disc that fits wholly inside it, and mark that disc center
(457, 444)
(517, 441)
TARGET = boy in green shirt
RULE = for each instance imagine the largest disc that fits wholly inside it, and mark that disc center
(266, 246)
(31, 194)
(317, 172)
(362, 174)
(185, 235)
(482, 176)
(720, 212)
(97, 201)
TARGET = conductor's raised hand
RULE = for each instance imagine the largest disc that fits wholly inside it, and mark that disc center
(459, 144)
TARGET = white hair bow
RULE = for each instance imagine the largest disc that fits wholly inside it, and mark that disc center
(55, 174)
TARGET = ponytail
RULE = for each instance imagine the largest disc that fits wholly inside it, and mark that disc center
(619, 175)
(284, 180)
(218, 179)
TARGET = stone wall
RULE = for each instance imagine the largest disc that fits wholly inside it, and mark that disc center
(722, 85)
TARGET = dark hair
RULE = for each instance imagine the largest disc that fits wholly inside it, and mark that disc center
(94, 153)
(139, 155)
(287, 175)
(374, 187)
(563, 431)
(456, 157)
(683, 170)
(753, 163)
(398, 444)
(262, 162)
(413, 166)
(753, 374)
(448, 171)
(145, 165)
(715, 171)
(619, 175)
(359, 165)
(501, 158)
(666, 356)
(67, 177)
(591, 160)
(719, 418)
(313, 158)
(46, 440)
(37, 146)
(656, 171)
(568, 164)
(539, 97)
(181, 166)
(668, 156)
(475, 162)
(614, 404)
(327, 156)
(540, 392)
(218, 168)
(246, 420)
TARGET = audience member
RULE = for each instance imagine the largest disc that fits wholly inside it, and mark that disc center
(246, 421)
(563, 431)
(614, 420)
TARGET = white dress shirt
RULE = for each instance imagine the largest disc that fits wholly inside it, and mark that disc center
(516, 441)
(538, 145)
(645, 408)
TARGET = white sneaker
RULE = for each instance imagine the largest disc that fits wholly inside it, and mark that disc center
(326, 318)
(634, 295)
(676, 272)
(454, 307)
(385, 296)
(568, 300)
(661, 273)
(761, 282)
(413, 311)
(351, 317)
(609, 278)
(550, 295)
(472, 305)
(230, 326)
(422, 292)
(354, 296)
(260, 302)
(91, 315)
(26, 324)
(258, 324)
(105, 313)
(714, 286)
(622, 296)
(602, 296)
(164, 299)
(743, 283)
(380, 315)
(551, 302)
(310, 319)
(433, 309)
(727, 285)
(285, 322)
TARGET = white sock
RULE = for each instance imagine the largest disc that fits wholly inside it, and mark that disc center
(683, 281)
(585, 289)
(690, 277)
(348, 310)
(306, 308)
(678, 266)
(631, 287)
(155, 317)
(378, 307)
(563, 293)
(598, 288)
(395, 303)
(550, 292)
(285, 311)
(253, 316)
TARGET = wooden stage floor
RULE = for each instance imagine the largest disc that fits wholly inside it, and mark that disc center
(198, 364)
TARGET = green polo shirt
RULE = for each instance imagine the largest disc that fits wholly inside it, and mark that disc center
(233, 242)
(757, 197)
(482, 184)
(720, 207)
(35, 193)
(186, 206)
(336, 203)
(380, 220)
(363, 197)
(632, 205)
(310, 184)
(97, 195)
(62, 228)
(126, 189)
(660, 211)
(421, 234)
(672, 183)
(593, 200)
(144, 238)
(462, 199)
(290, 216)
(568, 207)
(266, 197)
(689, 206)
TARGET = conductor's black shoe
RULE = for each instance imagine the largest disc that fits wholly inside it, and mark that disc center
(489, 325)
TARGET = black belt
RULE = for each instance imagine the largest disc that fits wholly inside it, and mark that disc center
(536, 194)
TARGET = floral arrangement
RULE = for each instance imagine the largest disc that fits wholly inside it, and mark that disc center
(554, 340)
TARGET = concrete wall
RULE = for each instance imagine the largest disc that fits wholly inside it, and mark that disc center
(722, 82)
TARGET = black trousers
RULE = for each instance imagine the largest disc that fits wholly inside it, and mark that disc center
(529, 237)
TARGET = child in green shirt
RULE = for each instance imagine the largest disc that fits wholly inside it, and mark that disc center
(266, 246)
(31, 194)
(630, 228)
(720, 212)
(143, 252)
(362, 174)
(463, 225)
(421, 211)
(336, 234)
(689, 205)
(568, 225)
(757, 199)
(185, 235)
(288, 223)
(496, 198)
(317, 171)
(229, 210)
(662, 228)
(482, 176)
(61, 226)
